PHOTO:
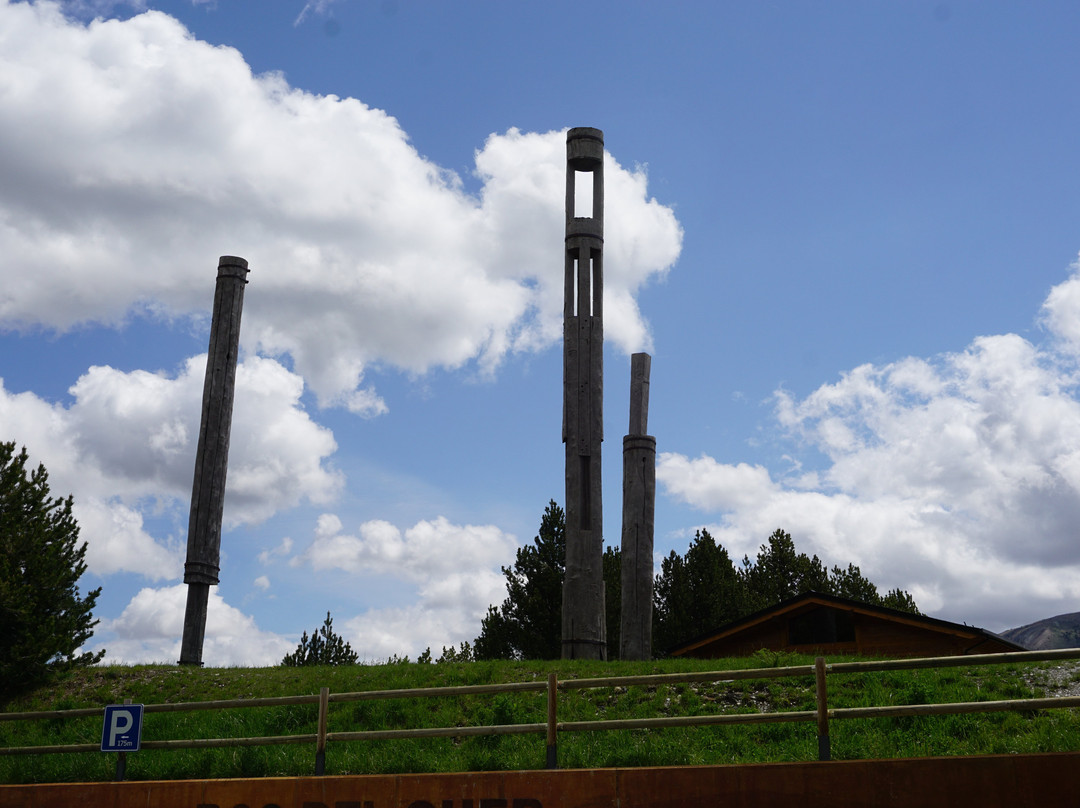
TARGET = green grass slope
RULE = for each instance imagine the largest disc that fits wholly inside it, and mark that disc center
(1046, 731)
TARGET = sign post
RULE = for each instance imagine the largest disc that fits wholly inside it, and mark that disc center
(122, 732)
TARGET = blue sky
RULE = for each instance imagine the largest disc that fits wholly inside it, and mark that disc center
(846, 232)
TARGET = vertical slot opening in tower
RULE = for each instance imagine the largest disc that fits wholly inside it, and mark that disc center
(583, 289)
(577, 270)
(583, 194)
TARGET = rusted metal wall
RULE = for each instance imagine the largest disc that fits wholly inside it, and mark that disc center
(1016, 781)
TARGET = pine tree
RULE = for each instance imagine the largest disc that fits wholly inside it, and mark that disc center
(781, 573)
(324, 647)
(695, 593)
(703, 591)
(43, 619)
(528, 625)
(901, 601)
(612, 563)
(851, 584)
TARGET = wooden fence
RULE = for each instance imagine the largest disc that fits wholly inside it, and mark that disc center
(822, 715)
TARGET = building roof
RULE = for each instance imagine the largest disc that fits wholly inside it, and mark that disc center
(974, 640)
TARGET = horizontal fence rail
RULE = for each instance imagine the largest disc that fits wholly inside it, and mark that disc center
(822, 714)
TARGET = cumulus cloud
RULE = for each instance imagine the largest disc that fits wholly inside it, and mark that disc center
(116, 542)
(455, 570)
(379, 634)
(1060, 309)
(150, 627)
(125, 448)
(135, 154)
(957, 477)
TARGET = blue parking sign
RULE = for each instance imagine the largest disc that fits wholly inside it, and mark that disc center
(123, 728)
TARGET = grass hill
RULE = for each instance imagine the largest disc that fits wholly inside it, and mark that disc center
(1051, 730)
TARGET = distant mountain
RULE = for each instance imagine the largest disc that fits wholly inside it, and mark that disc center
(1062, 631)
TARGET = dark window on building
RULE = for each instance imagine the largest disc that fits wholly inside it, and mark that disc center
(821, 625)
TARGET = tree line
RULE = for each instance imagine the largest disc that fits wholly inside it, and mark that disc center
(45, 621)
(693, 593)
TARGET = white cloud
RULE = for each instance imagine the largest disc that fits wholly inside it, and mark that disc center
(957, 478)
(427, 548)
(151, 625)
(125, 448)
(455, 570)
(135, 154)
(378, 634)
(116, 542)
(1061, 312)
(281, 551)
(705, 483)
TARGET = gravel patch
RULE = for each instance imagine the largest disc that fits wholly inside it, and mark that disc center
(1060, 679)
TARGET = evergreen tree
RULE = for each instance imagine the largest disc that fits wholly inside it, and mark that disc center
(463, 653)
(528, 625)
(612, 562)
(43, 619)
(324, 647)
(781, 573)
(695, 593)
(703, 591)
(901, 601)
(495, 632)
(851, 584)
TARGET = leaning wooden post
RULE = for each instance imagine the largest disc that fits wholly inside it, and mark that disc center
(824, 752)
(552, 725)
(212, 455)
(320, 739)
(639, 503)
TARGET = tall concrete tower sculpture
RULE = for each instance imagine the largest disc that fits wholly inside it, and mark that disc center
(212, 455)
(639, 505)
(583, 631)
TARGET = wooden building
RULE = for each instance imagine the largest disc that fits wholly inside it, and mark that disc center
(814, 623)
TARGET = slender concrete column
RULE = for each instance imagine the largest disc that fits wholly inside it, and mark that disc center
(212, 455)
(639, 503)
(584, 634)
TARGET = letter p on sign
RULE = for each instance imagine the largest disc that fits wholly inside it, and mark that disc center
(123, 728)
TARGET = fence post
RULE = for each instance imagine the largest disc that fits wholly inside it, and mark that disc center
(824, 752)
(121, 758)
(552, 741)
(320, 742)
